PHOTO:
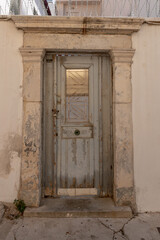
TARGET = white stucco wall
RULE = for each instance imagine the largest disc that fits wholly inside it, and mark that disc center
(146, 117)
(11, 75)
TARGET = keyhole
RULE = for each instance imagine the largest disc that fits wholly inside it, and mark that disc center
(77, 132)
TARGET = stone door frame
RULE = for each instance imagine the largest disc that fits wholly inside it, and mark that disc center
(107, 35)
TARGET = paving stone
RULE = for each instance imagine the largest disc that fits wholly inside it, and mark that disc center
(143, 227)
(119, 236)
(5, 228)
(61, 229)
(115, 224)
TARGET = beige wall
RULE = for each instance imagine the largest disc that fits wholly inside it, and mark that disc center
(146, 117)
(146, 114)
(10, 110)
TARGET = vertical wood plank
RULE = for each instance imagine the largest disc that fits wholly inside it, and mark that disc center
(55, 70)
(100, 124)
(96, 123)
(58, 122)
(48, 129)
(106, 126)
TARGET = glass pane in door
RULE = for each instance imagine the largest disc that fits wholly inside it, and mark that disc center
(77, 95)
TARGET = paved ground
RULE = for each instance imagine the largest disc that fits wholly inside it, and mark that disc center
(142, 227)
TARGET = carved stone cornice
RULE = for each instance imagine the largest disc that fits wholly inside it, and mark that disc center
(78, 25)
(122, 55)
(32, 54)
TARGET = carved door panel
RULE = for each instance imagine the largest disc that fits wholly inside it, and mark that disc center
(78, 121)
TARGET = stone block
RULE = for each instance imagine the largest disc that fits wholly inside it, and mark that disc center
(123, 146)
(77, 41)
(31, 155)
(122, 90)
(31, 198)
(32, 85)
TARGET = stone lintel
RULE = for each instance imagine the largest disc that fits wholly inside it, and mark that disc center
(77, 42)
(78, 25)
(32, 54)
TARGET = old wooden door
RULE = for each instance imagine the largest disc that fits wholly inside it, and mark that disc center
(78, 145)
(77, 132)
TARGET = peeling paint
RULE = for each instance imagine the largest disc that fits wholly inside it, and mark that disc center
(29, 147)
(31, 134)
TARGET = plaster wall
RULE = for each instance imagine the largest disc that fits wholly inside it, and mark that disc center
(11, 75)
(146, 117)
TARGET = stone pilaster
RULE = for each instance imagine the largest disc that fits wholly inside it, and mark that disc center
(30, 190)
(122, 127)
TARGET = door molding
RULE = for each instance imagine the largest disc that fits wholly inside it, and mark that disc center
(117, 42)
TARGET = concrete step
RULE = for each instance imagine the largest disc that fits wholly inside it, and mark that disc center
(78, 208)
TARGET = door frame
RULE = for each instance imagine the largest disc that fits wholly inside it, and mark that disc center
(112, 35)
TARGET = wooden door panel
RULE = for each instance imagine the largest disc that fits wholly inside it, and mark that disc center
(78, 123)
(77, 163)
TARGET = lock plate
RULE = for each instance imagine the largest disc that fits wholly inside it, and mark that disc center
(74, 132)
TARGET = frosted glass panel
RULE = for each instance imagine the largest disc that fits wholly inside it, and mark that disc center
(77, 95)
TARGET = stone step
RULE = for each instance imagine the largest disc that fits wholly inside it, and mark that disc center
(81, 207)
